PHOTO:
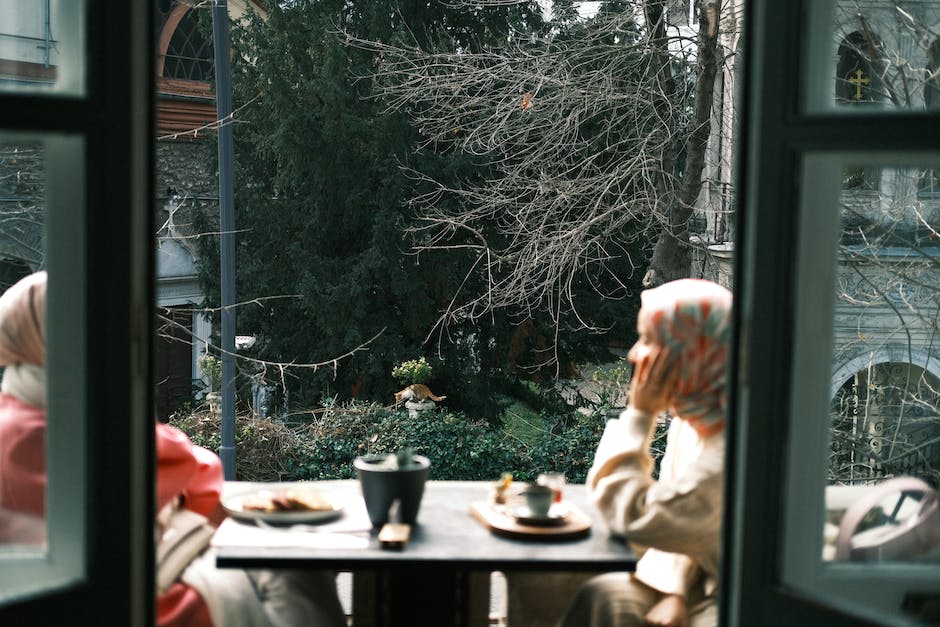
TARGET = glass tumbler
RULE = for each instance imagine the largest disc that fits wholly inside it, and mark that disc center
(554, 480)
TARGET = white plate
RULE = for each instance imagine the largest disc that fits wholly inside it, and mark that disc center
(233, 505)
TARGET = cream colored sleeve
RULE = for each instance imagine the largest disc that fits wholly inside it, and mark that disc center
(669, 573)
(681, 515)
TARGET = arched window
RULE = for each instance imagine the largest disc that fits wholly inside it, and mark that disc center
(185, 50)
(885, 425)
(856, 83)
(929, 184)
(932, 78)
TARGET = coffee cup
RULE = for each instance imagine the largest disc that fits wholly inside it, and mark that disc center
(539, 499)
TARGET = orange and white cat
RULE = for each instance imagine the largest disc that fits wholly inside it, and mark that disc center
(417, 392)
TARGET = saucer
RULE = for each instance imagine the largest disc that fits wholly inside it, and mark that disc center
(557, 515)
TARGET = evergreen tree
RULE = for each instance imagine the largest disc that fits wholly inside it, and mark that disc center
(321, 202)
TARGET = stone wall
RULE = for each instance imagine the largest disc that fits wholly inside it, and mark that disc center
(186, 180)
(886, 311)
(186, 185)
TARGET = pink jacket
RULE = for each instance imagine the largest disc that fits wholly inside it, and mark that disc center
(22, 457)
(182, 468)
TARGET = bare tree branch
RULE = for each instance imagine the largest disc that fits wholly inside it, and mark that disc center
(580, 132)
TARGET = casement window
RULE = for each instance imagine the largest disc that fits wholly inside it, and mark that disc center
(837, 297)
(76, 132)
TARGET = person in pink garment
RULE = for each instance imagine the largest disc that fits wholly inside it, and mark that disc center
(188, 477)
(23, 413)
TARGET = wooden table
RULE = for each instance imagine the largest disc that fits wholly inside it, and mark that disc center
(435, 580)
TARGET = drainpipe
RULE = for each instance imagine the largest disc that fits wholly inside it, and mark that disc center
(223, 99)
(48, 34)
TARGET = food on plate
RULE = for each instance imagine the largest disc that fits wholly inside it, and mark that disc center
(287, 501)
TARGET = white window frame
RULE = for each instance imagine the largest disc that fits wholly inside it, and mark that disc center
(793, 142)
(858, 588)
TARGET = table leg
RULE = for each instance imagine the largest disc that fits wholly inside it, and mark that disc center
(420, 597)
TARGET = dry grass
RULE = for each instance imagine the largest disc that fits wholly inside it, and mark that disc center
(266, 450)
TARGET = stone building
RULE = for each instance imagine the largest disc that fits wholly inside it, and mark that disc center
(885, 376)
(187, 179)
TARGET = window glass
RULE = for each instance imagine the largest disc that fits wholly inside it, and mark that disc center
(885, 55)
(41, 46)
(886, 377)
(189, 52)
(42, 463)
(22, 441)
(862, 485)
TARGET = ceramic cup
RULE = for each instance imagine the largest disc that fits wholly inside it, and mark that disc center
(539, 499)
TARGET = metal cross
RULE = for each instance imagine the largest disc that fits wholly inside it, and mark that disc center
(858, 79)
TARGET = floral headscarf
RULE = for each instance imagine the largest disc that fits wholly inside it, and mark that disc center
(23, 322)
(692, 317)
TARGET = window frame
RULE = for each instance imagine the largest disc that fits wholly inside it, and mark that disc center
(61, 562)
(112, 117)
(782, 121)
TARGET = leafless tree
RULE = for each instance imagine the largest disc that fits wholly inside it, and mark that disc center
(594, 136)
(22, 205)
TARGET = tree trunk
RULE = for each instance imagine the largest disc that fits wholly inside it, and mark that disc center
(672, 256)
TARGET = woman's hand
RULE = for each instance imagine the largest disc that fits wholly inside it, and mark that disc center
(670, 611)
(653, 383)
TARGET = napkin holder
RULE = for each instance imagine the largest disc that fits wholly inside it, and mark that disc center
(394, 534)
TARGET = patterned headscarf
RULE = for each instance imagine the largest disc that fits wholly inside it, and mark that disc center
(692, 317)
(23, 322)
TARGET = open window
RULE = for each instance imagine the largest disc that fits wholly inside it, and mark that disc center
(836, 387)
(75, 128)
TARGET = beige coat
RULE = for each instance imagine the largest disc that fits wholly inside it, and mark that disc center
(675, 522)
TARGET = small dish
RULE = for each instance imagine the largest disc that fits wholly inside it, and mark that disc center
(234, 505)
(557, 515)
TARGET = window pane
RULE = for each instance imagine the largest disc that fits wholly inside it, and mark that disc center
(22, 441)
(41, 46)
(865, 337)
(886, 377)
(42, 459)
(883, 55)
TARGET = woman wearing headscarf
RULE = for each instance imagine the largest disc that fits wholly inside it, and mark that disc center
(22, 412)
(188, 478)
(674, 522)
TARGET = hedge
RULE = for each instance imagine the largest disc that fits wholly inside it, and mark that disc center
(459, 447)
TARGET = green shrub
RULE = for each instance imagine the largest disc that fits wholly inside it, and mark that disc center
(412, 371)
(459, 447)
(212, 366)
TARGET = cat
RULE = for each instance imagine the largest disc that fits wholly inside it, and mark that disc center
(417, 392)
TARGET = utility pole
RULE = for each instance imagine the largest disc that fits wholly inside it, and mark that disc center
(223, 101)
